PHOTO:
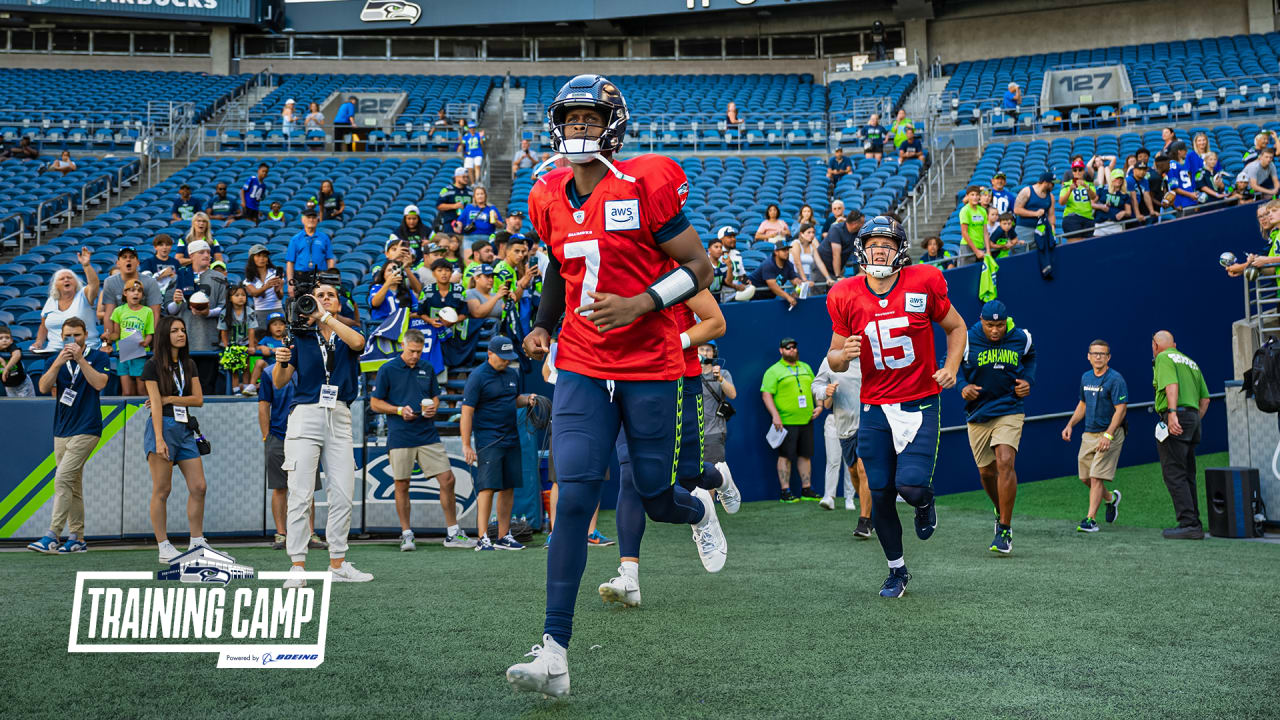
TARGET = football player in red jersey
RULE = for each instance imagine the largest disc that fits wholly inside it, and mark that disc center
(623, 255)
(884, 320)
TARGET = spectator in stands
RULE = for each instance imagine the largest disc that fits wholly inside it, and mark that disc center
(483, 302)
(1160, 195)
(837, 216)
(481, 254)
(984, 202)
(399, 252)
(76, 377)
(873, 135)
(837, 166)
(732, 118)
(1001, 199)
(776, 271)
(313, 121)
(899, 128)
(1077, 198)
(1142, 156)
(1261, 141)
(489, 404)
(222, 206)
(1034, 210)
(161, 266)
(1269, 227)
(273, 420)
(24, 150)
(1208, 179)
(452, 199)
(472, 150)
(1167, 137)
(64, 164)
(288, 118)
(253, 192)
(444, 293)
(113, 290)
(1004, 238)
(717, 390)
(772, 227)
(201, 229)
(329, 201)
(1258, 179)
(440, 123)
(1199, 148)
(391, 290)
(735, 274)
(1097, 170)
(264, 282)
(276, 213)
(1113, 206)
(973, 220)
(1011, 101)
(523, 158)
(1139, 189)
(805, 217)
(1181, 181)
(936, 254)
(807, 262)
(1182, 399)
(13, 374)
(412, 230)
(480, 217)
(910, 148)
(184, 206)
(836, 249)
(69, 298)
(344, 123)
(787, 392)
(198, 296)
(309, 250)
(238, 327)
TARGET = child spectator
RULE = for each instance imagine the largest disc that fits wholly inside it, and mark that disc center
(973, 218)
(266, 348)
(1209, 182)
(162, 267)
(238, 327)
(131, 318)
(14, 376)
(936, 254)
(873, 135)
(275, 214)
(1004, 238)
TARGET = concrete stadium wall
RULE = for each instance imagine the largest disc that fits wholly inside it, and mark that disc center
(104, 62)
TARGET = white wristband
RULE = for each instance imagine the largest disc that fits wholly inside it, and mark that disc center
(685, 341)
(325, 317)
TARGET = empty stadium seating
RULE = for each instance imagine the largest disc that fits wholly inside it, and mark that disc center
(50, 199)
(69, 99)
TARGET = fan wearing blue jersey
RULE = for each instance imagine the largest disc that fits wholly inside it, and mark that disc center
(1182, 181)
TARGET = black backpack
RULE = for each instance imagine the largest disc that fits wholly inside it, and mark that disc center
(1263, 379)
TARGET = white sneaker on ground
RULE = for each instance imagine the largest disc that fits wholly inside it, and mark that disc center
(249, 390)
(459, 541)
(295, 582)
(348, 573)
(406, 541)
(728, 492)
(622, 589)
(708, 536)
(849, 504)
(827, 503)
(547, 673)
(201, 542)
(168, 552)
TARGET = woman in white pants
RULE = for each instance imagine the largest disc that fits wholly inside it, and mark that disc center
(840, 393)
(328, 367)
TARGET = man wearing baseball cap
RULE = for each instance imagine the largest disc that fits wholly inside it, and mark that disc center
(1077, 197)
(787, 392)
(1001, 199)
(1138, 185)
(1118, 206)
(197, 296)
(776, 271)
(997, 373)
(491, 440)
(1035, 219)
(113, 287)
(735, 276)
(309, 250)
(451, 200)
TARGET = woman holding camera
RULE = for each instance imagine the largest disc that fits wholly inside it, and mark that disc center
(173, 387)
(326, 358)
(717, 391)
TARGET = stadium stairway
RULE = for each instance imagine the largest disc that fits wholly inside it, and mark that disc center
(501, 144)
(966, 161)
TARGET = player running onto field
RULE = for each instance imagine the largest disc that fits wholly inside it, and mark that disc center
(885, 320)
(622, 255)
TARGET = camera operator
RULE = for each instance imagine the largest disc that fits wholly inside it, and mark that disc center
(325, 355)
(717, 391)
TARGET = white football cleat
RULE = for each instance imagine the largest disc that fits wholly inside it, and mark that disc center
(547, 673)
(622, 589)
(348, 573)
(708, 535)
(296, 582)
(728, 492)
(827, 503)
(168, 552)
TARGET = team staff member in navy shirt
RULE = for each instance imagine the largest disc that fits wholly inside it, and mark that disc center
(309, 250)
(273, 420)
(1104, 401)
(185, 206)
(253, 192)
(327, 363)
(406, 389)
(489, 405)
(75, 377)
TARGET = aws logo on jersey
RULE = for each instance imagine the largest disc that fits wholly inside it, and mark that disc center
(916, 302)
(622, 215)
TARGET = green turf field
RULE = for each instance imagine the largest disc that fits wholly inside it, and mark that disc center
(1116, 624)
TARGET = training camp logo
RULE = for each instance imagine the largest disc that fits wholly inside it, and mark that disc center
(390, 11)
(247, 626)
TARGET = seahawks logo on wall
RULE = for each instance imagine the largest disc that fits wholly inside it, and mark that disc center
(390, 10)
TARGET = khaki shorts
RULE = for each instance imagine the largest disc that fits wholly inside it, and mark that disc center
(431, 459)
(1094, 464)
(983, 436)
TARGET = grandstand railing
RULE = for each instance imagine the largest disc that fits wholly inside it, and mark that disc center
(919, 203)
(17, 237)
(45, 216)
(94, 190)
(1262, 302)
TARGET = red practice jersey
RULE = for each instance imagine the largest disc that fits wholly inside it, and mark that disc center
(608, 246)
(685, 319)
(897, 355)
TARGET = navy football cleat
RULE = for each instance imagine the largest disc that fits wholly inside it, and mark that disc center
(927, 520)
(1003, 542)
(1113, 507)
(895, 586)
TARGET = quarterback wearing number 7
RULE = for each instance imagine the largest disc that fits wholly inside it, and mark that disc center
(884, 320)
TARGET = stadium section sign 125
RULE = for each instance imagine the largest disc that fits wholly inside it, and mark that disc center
(337, 15)
(230, 11)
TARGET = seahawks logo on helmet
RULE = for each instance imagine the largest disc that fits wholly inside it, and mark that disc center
(886, 227)
(390, 10)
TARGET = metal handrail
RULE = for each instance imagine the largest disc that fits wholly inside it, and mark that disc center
(42, 220)
(86, 198)
(1068, 413)
(21, 232)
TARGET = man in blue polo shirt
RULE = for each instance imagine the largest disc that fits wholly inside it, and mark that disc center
(75, 377)
(1104, 401)
(308, 250)
(837, 166)
(344, 122)
(489, 404)
(406, 389)
(253, 192)
(273, 421)
(185, 206)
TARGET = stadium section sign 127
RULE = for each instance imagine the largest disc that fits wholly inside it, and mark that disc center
(229, 11)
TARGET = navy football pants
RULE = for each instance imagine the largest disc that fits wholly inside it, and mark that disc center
(890, 473)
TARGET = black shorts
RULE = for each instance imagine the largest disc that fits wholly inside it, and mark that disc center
(498, 468)
(875, 148)
(251, 214)
(798, 442)
(849, 450)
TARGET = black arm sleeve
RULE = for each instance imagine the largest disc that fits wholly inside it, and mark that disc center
(551, 306)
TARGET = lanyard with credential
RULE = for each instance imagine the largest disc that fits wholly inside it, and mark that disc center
(73, 369)
(329, 360)
(180, 378)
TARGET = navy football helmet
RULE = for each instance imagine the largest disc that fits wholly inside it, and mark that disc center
(594, 91)
(885, 227)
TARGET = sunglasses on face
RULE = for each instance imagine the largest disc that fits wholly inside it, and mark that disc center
(789, 346)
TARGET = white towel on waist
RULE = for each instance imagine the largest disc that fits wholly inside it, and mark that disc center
(902, 424)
